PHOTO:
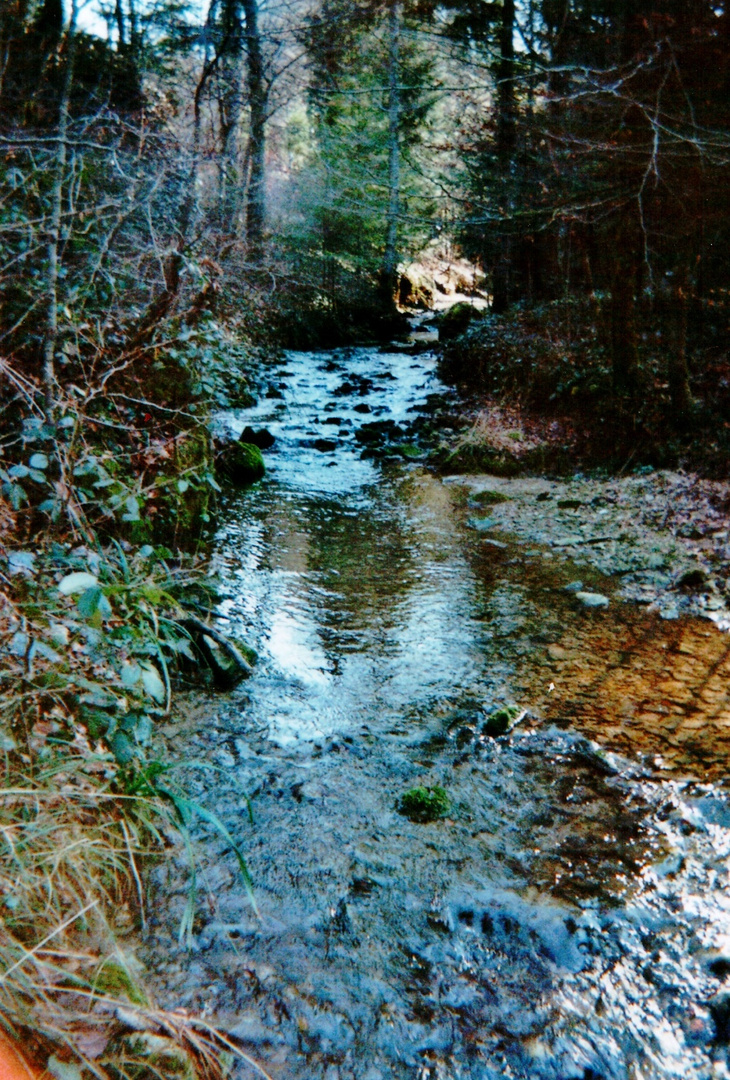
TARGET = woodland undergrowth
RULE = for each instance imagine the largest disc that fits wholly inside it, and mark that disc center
(104, 597)
(540, 378)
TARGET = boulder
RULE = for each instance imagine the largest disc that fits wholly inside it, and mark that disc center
(241, 463)
(692, 580)
(455, 320)
(719, 1007)
(261, 438)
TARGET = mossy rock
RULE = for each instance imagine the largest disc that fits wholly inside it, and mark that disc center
(424, 804)
(501, 720)
(474, 458)
(246, 651)
(408, 450)
(242, 463)
(241, 397)
(489, 498)
(455, 320)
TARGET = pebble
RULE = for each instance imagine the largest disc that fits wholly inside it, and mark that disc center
(592, 599)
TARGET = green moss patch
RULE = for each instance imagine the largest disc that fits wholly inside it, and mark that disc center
(501, 720)
(424, 804)
(489, 498)
(242, 463)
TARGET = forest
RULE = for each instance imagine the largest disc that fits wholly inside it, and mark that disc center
(500, 229)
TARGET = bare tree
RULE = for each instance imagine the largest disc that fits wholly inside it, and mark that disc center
(53, 240)
(390, 255)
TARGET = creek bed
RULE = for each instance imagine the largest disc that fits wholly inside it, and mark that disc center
(568, 917)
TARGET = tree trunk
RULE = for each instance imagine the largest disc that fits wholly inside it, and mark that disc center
(53, 237)
(119, 17)
(624, 354)
(134, 42)
(678, 371)
(506, 98)
(389, 271)
(191, 205)
(229, 186)
(505, 147)
(229, 83)
(257, 103)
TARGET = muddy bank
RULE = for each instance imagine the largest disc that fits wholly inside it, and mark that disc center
(567, 917)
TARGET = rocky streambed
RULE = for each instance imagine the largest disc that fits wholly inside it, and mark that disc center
(567, 914)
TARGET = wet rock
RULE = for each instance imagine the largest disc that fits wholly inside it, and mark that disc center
(274, 393)
(440, 922)
(592, 600)
(340, 919)
(330, 1032)
(307, 792)
(501, 721)
(692, 580)
(362, 407)
(353, 385)
(250, 1028)
(455, 320)
(593, 757)
(488, 498)
(363, 886)
(482, 524)
(410, 452)
(690, 532)
(377, 431)
(719, 1007)
(719, 966)
(464, 735)
(261, 438)
(241, 463)
(241, 397)
(224, 758)
(324, 446)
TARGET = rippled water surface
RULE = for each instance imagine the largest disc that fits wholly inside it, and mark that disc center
(569, 917)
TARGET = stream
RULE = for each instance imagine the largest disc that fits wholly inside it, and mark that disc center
(569, 917)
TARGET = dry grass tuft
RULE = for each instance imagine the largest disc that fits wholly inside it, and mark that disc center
(73, 840)
(71, 892)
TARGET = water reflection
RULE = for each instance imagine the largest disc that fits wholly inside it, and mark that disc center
(555, 925)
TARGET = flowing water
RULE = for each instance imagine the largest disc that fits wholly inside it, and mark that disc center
(569, 916)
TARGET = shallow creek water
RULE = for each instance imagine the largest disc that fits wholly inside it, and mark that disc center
(571, 916)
